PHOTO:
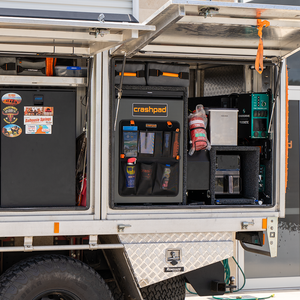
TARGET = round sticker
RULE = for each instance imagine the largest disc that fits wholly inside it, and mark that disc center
(11, 99)
(11, 130)
(10, 113)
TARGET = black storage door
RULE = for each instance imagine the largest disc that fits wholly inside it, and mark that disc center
(38, 170)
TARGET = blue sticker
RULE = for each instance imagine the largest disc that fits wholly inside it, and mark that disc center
(130, 128)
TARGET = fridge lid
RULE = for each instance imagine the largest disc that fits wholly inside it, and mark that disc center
(57, 32)
(207, 28)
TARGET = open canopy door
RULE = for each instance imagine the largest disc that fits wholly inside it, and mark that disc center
(204, 28)
(64, 33)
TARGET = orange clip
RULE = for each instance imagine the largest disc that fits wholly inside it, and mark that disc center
(177, 157)
(259, 61)
(122, 155)
(177, 129)
(169, 123)
(132, 122)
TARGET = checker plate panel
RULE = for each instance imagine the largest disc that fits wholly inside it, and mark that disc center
(147, 253)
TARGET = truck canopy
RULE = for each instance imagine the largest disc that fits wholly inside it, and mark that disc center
(64, 33)
(193, 28)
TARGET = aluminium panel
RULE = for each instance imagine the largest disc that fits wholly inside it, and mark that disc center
(44, 34)
(151, 255)
(223, 80)
(232, 25)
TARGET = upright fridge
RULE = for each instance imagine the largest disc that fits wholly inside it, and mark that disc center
(38, 148)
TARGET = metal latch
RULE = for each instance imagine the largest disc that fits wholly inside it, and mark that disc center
(93, 241)
(208, 11)
(121, 227)
(28, 241)
(246, 224)
(97, 31)
(101, 18)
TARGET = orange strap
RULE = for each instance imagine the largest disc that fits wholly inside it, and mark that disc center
(259, 62)
(50, 64)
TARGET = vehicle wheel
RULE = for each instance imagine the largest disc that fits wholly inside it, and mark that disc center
(170, 289)
(117, 295)
(53, 277)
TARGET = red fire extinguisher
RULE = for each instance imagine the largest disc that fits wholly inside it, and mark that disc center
(197, 126)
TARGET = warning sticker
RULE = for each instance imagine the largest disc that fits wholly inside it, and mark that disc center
(11, 130)
(11, 99)
(38, 129)
(10, 113)
(38, 111)
(34, 120)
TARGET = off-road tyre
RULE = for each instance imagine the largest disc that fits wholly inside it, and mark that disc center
(52, 277)
(170, 289)
(116, 293)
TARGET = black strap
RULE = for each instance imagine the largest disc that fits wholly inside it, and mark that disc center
(198, 128)
(139, 74)
(8, 67)
(156, 73)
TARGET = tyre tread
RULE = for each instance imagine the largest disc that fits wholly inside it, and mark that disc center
(10, 276)
(170, 289)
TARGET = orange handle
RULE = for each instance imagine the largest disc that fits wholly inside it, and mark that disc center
(128, 74)
(170, 74)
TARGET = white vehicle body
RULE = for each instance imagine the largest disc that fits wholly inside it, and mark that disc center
(205, 236)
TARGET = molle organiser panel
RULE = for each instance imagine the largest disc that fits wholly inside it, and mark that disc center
(150, 147)
(149, 159)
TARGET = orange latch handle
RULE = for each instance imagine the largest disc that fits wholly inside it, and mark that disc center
(259, 61)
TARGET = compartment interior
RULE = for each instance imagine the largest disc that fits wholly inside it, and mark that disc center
(236, 170)
(43, 141)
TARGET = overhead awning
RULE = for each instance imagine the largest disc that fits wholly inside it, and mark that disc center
(218, 29)
(64, 33)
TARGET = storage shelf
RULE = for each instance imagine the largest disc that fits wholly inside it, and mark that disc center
(43, 80)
